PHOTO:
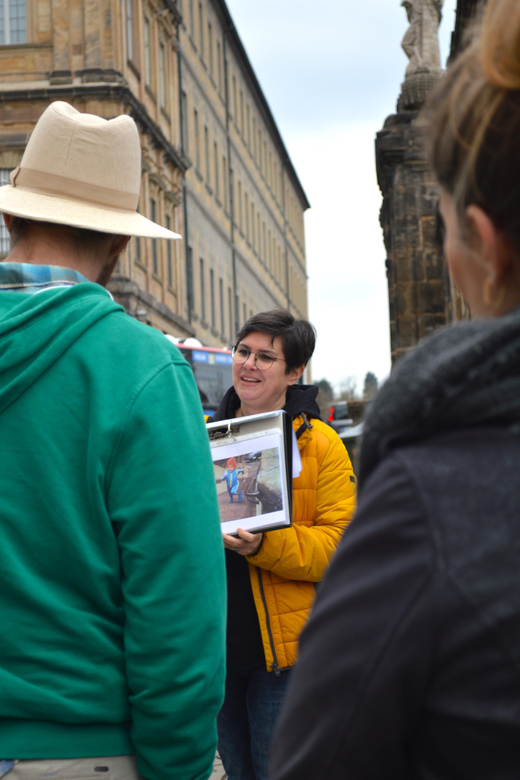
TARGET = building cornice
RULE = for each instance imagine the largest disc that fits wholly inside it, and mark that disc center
(100, 90)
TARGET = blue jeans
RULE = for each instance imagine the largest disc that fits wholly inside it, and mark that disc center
(247, 719)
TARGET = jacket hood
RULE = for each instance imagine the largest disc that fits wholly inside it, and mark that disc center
(300, 399)
(37, 329)
(463, 375)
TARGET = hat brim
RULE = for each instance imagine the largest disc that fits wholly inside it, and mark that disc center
(64, 211)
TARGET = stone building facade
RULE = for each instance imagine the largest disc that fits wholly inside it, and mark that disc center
(109, 57)
(421, 296)
(244, 205)
(215, 168)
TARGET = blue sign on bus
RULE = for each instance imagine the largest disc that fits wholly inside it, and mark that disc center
(200, 357)
(223, 358)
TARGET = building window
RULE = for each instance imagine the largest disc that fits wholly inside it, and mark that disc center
(184, 121)
(221, 297)
(201, 32)
(240, 205)
(230, 309)
(242, 112)
(197, 140)
(162, 75)
(147, 54)
(5, 243)
(130, 29)
(219, 65)
(192, 21)
(206, 151)
(169, 269)
(13, 22)
(225, 180)
(210, 48)
(248, 115)
(202, 291)
(235, 111)
(217, 182)
(155, 261)
(246, 211)
(212, 296)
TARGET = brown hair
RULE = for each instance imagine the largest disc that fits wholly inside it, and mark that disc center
(82, 238)
(474, 117)
(298, 337)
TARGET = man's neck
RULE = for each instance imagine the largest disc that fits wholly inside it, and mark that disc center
(45, 249)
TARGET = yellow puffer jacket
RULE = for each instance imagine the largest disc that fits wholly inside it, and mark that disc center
(290, 561)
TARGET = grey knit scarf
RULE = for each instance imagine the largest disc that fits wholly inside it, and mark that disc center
(463, 375)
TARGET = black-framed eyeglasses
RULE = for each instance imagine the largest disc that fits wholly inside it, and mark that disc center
(263, 360)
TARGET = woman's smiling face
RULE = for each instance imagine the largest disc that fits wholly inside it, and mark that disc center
(263, 391)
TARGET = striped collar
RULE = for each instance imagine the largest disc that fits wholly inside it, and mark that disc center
(26, 277)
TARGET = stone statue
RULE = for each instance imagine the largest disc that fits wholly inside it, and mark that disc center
(421, 40)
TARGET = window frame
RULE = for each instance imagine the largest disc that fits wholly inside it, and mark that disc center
(8, 32)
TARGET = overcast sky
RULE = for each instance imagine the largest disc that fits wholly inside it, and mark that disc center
(331, 73)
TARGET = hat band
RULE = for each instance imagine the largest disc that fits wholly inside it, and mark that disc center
(61, 187)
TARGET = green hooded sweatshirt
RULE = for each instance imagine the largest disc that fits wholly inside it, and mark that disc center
(112, 583)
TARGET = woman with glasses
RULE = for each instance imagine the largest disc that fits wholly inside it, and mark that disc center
(272, 576)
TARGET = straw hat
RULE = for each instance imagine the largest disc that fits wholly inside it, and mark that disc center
(81, 170)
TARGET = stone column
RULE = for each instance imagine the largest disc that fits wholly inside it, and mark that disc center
(418, 285)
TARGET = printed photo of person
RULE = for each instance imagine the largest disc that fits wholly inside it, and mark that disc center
(231, 476)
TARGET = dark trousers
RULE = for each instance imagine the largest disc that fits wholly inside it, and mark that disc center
(247, 719)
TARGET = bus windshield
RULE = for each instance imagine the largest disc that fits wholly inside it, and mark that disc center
(213, 375)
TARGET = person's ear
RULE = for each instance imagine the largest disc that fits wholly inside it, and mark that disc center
(491, 245)
(295, 374)
(7, 220)
(118, 244)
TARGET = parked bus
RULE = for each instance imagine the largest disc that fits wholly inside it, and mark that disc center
(211, 367)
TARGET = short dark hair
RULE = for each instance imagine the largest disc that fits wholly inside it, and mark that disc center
(298, 337)
(21, 226)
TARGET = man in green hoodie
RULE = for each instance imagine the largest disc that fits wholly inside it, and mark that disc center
(112, 579)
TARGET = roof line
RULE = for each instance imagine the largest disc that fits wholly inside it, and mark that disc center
(241, 53)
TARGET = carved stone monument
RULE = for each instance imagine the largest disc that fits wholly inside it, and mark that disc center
(420, 294)
(418, 286)
(421, 45)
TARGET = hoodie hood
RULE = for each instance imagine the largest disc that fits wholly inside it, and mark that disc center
(37, 329)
